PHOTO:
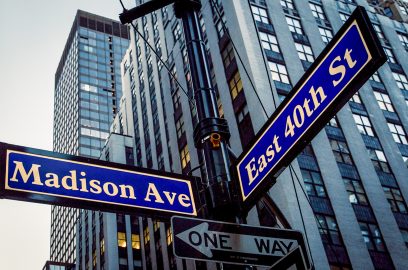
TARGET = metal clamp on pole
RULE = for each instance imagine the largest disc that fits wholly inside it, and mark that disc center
(206, 130)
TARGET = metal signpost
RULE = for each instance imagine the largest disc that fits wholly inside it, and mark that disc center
(201, 239)
(46, 177)
(353, 55)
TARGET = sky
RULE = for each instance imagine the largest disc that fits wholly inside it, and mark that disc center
(33, 35)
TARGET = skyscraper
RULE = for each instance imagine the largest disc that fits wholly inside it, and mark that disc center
(87, 93)
(353, 173)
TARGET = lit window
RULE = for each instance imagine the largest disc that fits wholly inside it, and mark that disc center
(269, 42)
(169, 236)
(279, 72)
(260, 14)
(135, 241)
(294, 25)
(305, 52)
(146, 235)
(184, 157)
(398, 133)
(122, 239)
(235, 85)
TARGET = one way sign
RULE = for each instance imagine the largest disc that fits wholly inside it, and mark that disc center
(233, 243)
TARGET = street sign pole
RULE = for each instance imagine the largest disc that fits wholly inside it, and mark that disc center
(211, 133)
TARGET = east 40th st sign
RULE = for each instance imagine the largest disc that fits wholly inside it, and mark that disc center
(341, 69)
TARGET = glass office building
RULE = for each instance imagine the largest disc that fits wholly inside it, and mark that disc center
(88, 88)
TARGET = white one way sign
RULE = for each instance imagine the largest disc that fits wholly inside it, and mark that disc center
(233, 243)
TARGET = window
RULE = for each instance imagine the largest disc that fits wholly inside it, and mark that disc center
(355, 191)
(401, 80)
(135, 241)
(405, 236)
(122, 239)
(334, 122)
(260, 14)
(363, 124)
(404, 40)
(305, 52)
(220, 26)
(398, 133)
(176, 99)
(235, 85)
(176, 32)
(326, 34)
(169, 236)
(404, 10)
(356, 98)
(279, 72)
(395, 200)
(379, 32)
(379, 161)
(372, 236)
(180, 127)
(146, 235)
(313, 183)
(294, 25)
(383, 101)
(287, 4)
(184, 157)
(341, 151)
(317, 11)
(390, 55)
(343, 17)
(228, 55)
(246, 131)
(329, 230)
(269, 42)
(375, 77)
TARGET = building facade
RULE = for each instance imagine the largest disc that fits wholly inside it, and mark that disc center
(87, 93)
(347, 190)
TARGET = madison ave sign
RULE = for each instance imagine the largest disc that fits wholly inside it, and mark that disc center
(353, 55)
(46, 177)
(233, 243)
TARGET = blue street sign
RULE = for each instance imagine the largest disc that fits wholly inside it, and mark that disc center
(72, 181)
(341, 69)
